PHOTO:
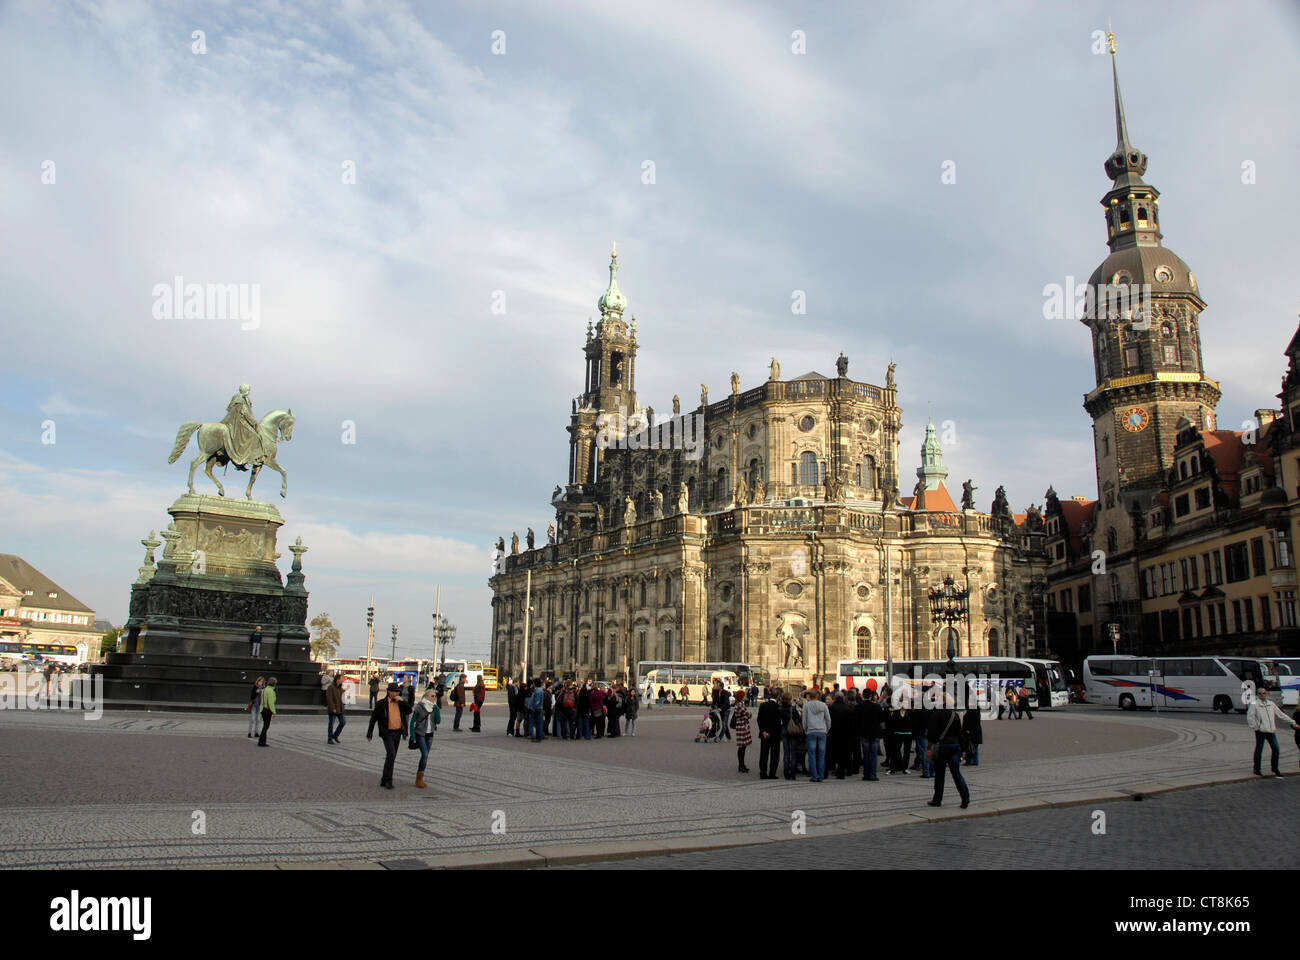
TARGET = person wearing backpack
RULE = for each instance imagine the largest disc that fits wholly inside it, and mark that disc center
(568, 706)
(630, 711)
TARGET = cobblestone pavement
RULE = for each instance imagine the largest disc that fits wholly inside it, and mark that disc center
(122, 790)
(1227, 827)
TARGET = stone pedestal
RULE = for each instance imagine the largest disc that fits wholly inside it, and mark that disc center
(186, 639)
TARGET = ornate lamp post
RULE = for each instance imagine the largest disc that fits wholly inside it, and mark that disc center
(949, 605)
(444, 632)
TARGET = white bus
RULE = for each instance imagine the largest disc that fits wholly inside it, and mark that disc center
(861, 674)
(1283, 674)
(453, 669)
(1185, 683)
(746, 673)
(1042, 681)
(699, 683)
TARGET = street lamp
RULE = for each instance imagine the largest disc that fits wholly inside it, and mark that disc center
(949, 605)
(443, 634)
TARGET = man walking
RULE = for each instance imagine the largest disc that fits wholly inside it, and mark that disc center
(512, 701)
(458, 701)
(769, 735)
(374, 689)
(334, 704)
(1262, 716)
(390, 716)
(946, 733)
(268, 710)
(255, 642)
(536, 704)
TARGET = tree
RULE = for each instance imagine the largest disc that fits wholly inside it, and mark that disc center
(108, 642)
(325, 642)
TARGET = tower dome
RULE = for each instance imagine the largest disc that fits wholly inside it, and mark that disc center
(612, 301)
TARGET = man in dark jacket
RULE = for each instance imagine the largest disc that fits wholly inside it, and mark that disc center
(584, 712)
(868, 722)
(458, 701)
(945, 731)
(973, 731)
(512, 701)
(334, 705)
(769, 734)
(841, 736)
(390, 715)
(374, 690)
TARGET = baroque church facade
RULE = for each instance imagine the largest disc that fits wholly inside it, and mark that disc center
(764, 527)
(1187, 546)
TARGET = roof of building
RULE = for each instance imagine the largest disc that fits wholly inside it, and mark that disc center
(937, 500)
(23, 576)
(812, 375)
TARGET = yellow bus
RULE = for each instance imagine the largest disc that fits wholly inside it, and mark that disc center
(490, 681)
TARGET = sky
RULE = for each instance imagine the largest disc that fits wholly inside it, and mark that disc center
(424, 197)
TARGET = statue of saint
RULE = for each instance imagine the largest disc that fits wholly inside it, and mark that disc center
(891, 497)
(555, 494)
(550, 533)
(501, 546)
(968, 495)
(530, 538)
(1001, 507)
(704, 395)
(760, 492)
(245, 445)
(514, 543)
(629, 512)
(683, 499)
(918, 495)
(677, 404)
(834, 490)
(742, 492)
(657, 505)
(600, 518)
(889, 375)
(793, 649)
(842, 365)
(774, 370)
(735, 382)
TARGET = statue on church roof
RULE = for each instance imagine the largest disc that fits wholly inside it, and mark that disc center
(550, 533)
(735, 383)
(530, 539)
(968, 495)
(1001, 507)
(677, 404)
(514, 543)
(842, 365)
(704, 395)
(774, 370)
(889, 374)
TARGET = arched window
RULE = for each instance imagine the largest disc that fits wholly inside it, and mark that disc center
(864, 643)
(755, 472)
(691, 497)
(1142, 216)
(1196, 465)
(1115, 594)
(668, 590)
(643, 594)
(1182, 470)
(1112, 541)
(1124, 218)
(1105, 445)
(870, 473)
(720, 491)
(808, 473)
(993, 641)
(727, 640)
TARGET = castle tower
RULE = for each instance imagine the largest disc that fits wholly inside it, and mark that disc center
(931, 472)
(1143, 312)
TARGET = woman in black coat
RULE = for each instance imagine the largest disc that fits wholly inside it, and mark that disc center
(972, 733)
(900, 730)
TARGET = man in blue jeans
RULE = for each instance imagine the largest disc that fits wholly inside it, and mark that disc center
(1262, 716)
(869, 718)
(536, 704)
(816, 724)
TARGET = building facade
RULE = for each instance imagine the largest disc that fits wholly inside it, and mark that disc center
(764, 527)
(1188, 546)
(36, 610)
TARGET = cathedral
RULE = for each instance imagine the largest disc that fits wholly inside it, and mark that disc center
(763, 527)
(1187, 546)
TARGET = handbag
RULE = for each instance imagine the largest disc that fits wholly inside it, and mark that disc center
(932, 751)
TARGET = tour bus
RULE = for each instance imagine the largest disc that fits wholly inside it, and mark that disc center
(490, 679)
(453, 669)
(1195, 683)
(23, 651)
(699, 683)
(859, 674)
(747, 674)
(1043, 681)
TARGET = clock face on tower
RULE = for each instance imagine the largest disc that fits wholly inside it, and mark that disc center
(1136, 420)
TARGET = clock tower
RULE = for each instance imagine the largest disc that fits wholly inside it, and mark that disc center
(1143, 313)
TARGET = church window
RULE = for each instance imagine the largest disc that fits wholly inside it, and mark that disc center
(1171, 354)
(1131, 357)
(864, 643)
(615, 369)
(794, 471)
(643, 596)
(720, 491)
(1105, 444)
(1115, 593)
(808, 469)
(823, 474)
(755, 472)
(1124, 218)
(1182, 470)
(1112, 541)
(1142, 216)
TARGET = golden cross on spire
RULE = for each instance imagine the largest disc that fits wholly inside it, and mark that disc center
(1110, 37)
(613, 253)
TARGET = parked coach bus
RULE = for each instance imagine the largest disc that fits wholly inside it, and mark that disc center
(1043, 681)
(1185, 683)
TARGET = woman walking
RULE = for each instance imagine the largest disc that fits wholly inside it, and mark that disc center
(946, 735)
(974, 731)
(424, 721)
(480, 693)
(900, 731)
(254, 707)
(791, 735)
(740, 720)
(629, 717)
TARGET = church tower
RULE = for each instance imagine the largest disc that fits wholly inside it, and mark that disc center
(1143, 312)
(610, 382)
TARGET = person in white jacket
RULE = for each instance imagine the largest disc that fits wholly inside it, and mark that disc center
(1262, 716)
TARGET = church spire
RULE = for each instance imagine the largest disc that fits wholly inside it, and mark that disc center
(612, 301)
(1126, 159)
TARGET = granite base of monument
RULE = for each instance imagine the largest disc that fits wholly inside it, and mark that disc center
(186, 645)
